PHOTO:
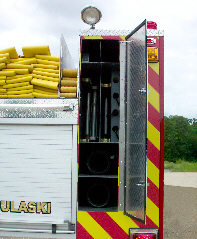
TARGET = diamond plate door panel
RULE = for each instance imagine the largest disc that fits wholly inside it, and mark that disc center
(136, 124)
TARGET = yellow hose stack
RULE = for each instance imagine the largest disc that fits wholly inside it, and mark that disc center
(34, 75)
(46, 76)
(69, 83)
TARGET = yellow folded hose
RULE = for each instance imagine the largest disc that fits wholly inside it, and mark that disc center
(3, 95)
(70, 73)
(68, 95)
(2, 65)
(68, 83)
(19, 92)
(65, 89)
(49, 58)
(21, 96)
(32, 51)
(39, 95)
(3, 90)
(3, 60)
(44, 83)
(46, 74)
(18, 80)
(45, 92)
(28, 87)
(45, 66)
(27, 61)
(2, 82)
(20, 66)
(12, 52)
(2, 77)
(7, 73)
(45, 62)
(47, 70)
(18, 71)
(69, 78)
(52, 91)
(15, 85)
(46, 78)
(18, 76)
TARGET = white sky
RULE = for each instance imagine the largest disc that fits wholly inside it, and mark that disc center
(41, 22)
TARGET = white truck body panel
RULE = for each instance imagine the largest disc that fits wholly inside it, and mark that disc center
(38, 161)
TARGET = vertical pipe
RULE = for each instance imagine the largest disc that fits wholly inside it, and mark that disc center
(94, 118)
(88, 115)
(106, 118)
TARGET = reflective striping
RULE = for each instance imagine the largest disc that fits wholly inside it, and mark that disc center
(123, 38)
(153, 153)
(154, 116)
(153, 173)
(152, 211)
(153, 98)
(153, 79)
(153, 192)
(91, 226)
(123, 221)
(82, 233)
(93, 37)
(154, 135)
(108, 224)
(155, 67)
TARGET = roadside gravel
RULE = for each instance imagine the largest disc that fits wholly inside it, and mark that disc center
(180, 212)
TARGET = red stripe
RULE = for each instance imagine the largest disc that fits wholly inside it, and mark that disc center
(82, 233)
(153, 154)
(153, 79)
(109, 225)
(149, 223)
(112, 38)
(153, 192)
(153, 116)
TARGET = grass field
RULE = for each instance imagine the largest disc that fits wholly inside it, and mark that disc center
(181, 166)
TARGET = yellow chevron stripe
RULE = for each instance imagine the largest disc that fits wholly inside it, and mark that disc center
(153, 98)
(123, 38)
(123, 221)
(152, 211)
(153, 173)
(91, 226)
(93, 37)
(155, 67)
(154, 135)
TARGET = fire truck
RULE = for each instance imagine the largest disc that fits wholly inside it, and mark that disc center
(91, 166)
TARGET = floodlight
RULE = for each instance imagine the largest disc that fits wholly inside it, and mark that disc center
(91, 15)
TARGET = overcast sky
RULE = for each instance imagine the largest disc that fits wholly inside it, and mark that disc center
(41, 22)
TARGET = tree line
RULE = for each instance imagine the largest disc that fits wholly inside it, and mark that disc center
(180, 138)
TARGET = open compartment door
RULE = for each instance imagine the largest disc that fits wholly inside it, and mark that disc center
(136, 123)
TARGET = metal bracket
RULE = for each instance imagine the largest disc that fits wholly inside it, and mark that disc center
(71, 226)
(143, 91)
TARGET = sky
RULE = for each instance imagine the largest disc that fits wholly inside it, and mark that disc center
(41, 22)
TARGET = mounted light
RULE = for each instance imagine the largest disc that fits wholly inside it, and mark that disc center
(151, 25)
(143, 233)
(91, 15)
(152, 54)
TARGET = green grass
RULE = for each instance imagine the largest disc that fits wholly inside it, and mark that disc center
(181, 166)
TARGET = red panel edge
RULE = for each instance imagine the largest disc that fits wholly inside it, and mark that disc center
(161, 76)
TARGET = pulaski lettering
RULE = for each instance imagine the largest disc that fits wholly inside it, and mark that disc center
(29, 207)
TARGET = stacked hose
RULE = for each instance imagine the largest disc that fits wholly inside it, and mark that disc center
(69, 83)
(34, 75)
(15, 77)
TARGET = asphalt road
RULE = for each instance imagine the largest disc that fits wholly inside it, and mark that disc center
(180, 205)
